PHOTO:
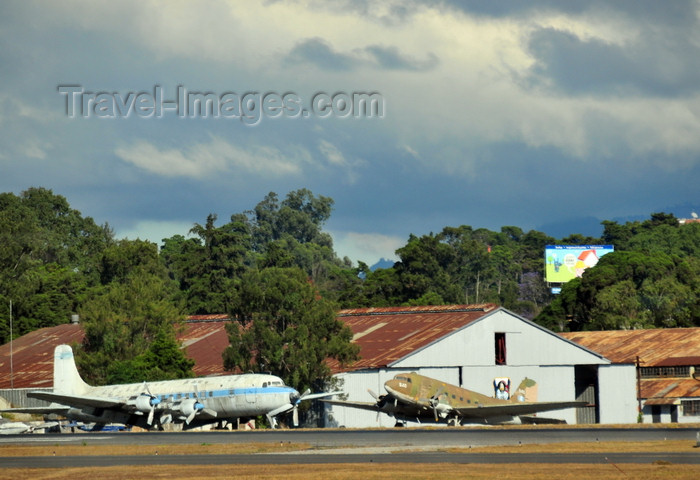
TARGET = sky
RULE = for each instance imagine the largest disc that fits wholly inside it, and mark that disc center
(411, 115)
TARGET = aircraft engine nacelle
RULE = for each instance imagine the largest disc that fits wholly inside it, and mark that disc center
(442, 410)
(188, 409)
(144, 403)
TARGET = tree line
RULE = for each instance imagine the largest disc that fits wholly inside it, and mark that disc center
(273, 269)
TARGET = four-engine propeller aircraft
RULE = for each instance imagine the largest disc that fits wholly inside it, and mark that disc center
(415, 397)
(192, 402)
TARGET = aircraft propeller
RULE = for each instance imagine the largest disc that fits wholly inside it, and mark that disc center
(154, 401)
(145, 402)
(198, 407)
(380, 399)
(434, 401)
(294, 400)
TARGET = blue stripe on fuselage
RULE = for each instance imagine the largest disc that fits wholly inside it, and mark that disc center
(204, 394)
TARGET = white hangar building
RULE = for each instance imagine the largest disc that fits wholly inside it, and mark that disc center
(470, 346)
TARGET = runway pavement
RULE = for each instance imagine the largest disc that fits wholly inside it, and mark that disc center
(690, 458)
(362, 446)
(463, 437)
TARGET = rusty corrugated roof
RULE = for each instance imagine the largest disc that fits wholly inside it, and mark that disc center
(203, 336)
(205, 339)
(655, 347)
(32, 356)
(388, 334)
(670, 388)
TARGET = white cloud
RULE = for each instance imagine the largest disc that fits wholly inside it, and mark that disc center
(33, 150)
(218, 156)
(335, 158)
(410, 151)
(154, 230)
(331, 153)
(366, 247)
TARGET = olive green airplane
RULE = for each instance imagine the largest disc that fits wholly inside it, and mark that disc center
(414, 397)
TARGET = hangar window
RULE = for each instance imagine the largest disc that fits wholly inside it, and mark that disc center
(655, 372)
(691, 408)
(500, 341)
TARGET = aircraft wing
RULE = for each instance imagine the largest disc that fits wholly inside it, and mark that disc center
(514, 409)
(78, 401)
(58, 410)
(347, 403)
(314, 396)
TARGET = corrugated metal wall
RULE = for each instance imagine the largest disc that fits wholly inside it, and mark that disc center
(617, 394)
(18, 397)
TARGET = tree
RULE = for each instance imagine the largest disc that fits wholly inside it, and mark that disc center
(284, 326)
(124, 322)
(48, 259)
(208, 268)
(162, 360)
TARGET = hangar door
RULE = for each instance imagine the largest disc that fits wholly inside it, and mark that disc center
(586, 380)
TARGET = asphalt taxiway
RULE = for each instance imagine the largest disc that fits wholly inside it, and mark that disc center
(412, 445)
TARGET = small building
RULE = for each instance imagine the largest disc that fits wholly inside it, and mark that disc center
(470, 346)
(667, 368)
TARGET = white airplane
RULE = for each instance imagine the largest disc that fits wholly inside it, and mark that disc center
(193, 402)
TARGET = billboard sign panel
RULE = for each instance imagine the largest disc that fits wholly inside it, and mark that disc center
(566, 262)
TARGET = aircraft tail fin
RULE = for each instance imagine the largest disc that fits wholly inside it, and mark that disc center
(66, 378)
(526, 391)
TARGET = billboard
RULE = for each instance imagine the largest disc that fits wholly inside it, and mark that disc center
(566, 262)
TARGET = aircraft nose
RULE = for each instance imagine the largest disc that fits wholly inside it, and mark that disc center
(391, 386)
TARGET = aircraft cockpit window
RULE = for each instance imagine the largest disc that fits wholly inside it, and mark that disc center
(264, 384)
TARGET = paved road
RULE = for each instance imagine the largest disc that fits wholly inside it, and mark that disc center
(379, 446)
(294, 458)
(439, 437)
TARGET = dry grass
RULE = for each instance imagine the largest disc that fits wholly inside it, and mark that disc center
(586, 447)
(368, 472)
(201, 449)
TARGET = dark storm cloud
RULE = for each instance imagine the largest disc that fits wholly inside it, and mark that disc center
(658, 64)
(677, 13)
(318, 52)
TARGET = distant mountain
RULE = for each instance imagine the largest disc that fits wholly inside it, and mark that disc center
(382, 263)
(591, 226)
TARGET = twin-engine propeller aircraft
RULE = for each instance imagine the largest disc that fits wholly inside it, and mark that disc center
(191, 402)
(417, 398)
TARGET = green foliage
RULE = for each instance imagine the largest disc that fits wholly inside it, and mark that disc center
(163, 360)
(284, 326)
(125, 321)
(48, 259)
